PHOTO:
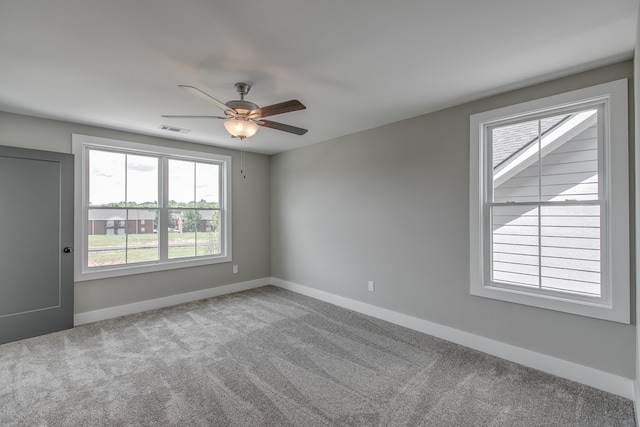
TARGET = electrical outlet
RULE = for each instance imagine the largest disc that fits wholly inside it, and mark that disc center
(372, 286)
(235, 269)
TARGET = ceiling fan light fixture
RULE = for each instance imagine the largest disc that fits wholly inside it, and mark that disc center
(241, 128)
(243, 118)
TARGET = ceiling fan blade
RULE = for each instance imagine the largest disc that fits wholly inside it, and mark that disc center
(283, 107)
(171, 116)
(210, 99)
(283, 127)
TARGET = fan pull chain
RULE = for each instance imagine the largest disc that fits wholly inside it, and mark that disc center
(242, 159)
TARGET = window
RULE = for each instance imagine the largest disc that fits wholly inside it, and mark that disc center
(549, 208)
(142, 208)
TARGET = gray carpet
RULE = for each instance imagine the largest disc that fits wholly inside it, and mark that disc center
(273, 357)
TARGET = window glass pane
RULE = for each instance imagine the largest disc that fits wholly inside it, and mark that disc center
(560, 165)
(207, 185)
(208, 233)
(117, 236)
(570, 248)
(106, 178)
(118, 178)
(515, 152)
(107, 239)
(570, 170)
(142, 181)
(142, 237)
(181, 183)
(182, 243)
(568, 251)
(515, 245)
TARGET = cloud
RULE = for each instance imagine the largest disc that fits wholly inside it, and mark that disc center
(141, 167)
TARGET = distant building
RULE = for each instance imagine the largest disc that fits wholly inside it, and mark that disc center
(121, 221)
(204, 224)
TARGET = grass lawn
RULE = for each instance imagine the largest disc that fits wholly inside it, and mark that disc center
(133, 248)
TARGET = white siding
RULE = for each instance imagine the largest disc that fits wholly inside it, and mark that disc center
(563, 251)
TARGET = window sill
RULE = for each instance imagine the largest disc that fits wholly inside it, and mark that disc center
(105, 273)
(596, 309)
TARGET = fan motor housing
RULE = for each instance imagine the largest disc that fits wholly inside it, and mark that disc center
(241, 106)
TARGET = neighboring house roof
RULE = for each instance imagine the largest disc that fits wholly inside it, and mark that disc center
(120, 214)
(509, 140)
(559, 130)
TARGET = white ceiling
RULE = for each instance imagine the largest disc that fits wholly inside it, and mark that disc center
(355, 64)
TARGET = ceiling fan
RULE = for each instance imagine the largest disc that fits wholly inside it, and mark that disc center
(243, 118)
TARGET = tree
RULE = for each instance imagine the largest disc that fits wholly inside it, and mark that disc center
(190, 220)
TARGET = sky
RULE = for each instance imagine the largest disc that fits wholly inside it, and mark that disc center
(116, 177)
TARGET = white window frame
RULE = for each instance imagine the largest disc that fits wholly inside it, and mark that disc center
(80, 145)
(614, 303)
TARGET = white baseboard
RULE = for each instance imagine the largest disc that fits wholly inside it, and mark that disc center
(636, 400)
(138, 307)
(608, 382)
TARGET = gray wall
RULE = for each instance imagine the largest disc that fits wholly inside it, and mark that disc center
(392, 205)
(251, 234)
